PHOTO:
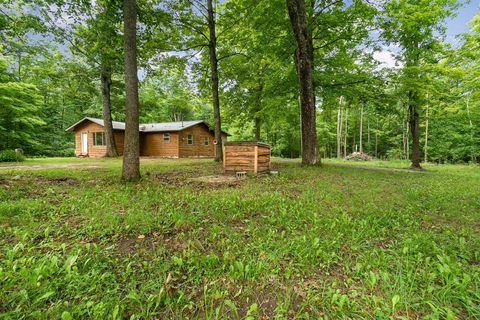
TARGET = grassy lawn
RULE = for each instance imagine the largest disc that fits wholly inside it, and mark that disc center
(330, 242)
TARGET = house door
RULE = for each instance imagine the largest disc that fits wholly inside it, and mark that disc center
(84, 143)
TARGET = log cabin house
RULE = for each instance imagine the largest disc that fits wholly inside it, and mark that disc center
(181, 139)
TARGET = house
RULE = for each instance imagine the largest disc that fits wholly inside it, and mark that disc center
(167, 139)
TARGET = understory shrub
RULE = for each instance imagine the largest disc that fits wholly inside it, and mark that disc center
(11, 156)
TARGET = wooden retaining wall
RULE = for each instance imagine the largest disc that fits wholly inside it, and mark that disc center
(246, 156)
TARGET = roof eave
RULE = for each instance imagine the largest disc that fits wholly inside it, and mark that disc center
(72, 127)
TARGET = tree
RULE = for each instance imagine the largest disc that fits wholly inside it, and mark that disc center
(416, 30)
(212, 46)
(20, 105)
(304, 63)
(106, 44)
(93, 33)
(341, 103)
(198, 21)
(131, 160)
(258, 76)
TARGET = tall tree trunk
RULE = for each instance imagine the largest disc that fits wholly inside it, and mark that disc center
(339, 133)
(413, 61)
(214, 81)
(404, 150)
(354, 135)
(414, 124)
(346, 134)
(131, 154)
(258, 123)
(258, 108)
(407, 141)
(472, 130)
(339, 127)
(19, 70)
(361, 128)
(106, 81)
(304, 64)
(468, 111)
(368, 133)
(426, 136)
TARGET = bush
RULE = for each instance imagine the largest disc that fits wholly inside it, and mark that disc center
(395, 154)
(11, 156)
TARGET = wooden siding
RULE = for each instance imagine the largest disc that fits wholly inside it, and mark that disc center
(95, 151)
(152, 145)
(263, 158)
(246, 156)
(119, 140)
(198, 148)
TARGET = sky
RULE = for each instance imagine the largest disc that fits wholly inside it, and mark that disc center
(455, 26)
(459, 24)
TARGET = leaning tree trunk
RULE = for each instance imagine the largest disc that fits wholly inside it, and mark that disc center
(214, 82)
(106, 81)
(414, 124)
(304, 64)
(131, 161)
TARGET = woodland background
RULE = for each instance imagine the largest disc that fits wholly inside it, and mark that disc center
(55, 53)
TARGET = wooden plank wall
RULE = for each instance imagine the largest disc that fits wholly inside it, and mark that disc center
(152, 145)
(119, 140)
(198, 148)
(95, 151)
(263, 158)
(246, 157)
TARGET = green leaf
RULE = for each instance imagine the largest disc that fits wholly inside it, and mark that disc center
(395, 300)
(66, 315)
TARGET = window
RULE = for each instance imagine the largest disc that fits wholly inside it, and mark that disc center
(166, 137)
(190, 139)
(98, 139)
(205, 141)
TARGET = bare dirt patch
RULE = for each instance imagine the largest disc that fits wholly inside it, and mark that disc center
(180, 179)
(42, 180)
(175, 177)
(149, 242)
(217, 179)
(64, 181)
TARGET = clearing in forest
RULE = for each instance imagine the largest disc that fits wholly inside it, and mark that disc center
(332, 242)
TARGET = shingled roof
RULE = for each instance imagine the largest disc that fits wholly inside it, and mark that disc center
(147, 127)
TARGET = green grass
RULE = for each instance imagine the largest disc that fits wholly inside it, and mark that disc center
(323, 242)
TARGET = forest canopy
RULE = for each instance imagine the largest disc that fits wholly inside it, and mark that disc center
(61, 61)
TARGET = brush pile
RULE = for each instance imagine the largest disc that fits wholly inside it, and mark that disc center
(358, 156)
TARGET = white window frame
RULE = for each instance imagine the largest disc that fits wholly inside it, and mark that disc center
(190, 139)
(206, 141)
(166, 137)
(95, 144)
